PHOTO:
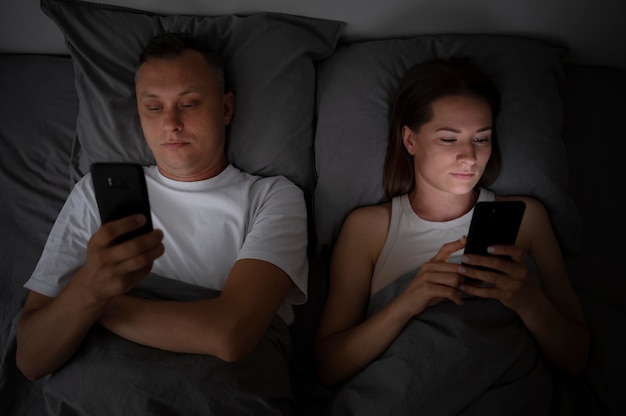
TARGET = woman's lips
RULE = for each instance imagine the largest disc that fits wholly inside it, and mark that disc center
(463, 175)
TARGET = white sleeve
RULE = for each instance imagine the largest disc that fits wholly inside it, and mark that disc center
(278, 232)
(65, 248)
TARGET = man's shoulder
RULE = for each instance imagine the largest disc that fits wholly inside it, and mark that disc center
(269, 182)
(83, 185)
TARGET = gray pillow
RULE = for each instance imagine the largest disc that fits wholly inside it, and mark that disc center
(270, 65)
(38, 118)
(354, 88)
(36, 129)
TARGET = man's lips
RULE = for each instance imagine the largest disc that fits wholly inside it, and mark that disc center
(174, 145)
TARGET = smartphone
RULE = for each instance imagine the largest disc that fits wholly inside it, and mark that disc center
(121, 191)
(493, 222)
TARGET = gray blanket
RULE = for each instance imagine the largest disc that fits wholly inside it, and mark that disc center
(110, 375)
(474, 359)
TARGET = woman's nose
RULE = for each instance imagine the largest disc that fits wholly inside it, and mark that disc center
(467, 153)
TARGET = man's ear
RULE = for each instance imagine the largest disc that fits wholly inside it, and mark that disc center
(229, 107)
(408, 138)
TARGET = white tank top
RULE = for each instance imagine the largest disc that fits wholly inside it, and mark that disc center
(412, 241)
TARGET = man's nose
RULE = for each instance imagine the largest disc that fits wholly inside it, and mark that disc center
(172, 120)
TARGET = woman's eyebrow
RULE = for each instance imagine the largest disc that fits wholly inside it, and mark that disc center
(450, 129)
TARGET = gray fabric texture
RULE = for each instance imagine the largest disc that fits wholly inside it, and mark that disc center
(109, 375)
(470, 359)
(38, 119)
(354, 89)
(269, 62)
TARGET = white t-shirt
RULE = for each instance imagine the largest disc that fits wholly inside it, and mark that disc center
(208, 225)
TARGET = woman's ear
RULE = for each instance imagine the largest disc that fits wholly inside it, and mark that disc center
(408, 138)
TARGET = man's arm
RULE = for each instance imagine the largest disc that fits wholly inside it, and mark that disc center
(51, 329)
(229, 326)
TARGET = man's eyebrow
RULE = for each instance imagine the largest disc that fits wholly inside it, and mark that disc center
(149, 94)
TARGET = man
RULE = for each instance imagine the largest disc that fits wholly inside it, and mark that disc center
(215, 226)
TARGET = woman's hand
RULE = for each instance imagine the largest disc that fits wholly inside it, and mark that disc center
(435, 281)
(504, 278)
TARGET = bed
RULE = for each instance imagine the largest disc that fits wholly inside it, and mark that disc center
(313, 108)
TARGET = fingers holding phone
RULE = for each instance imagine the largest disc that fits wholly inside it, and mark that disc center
(494, 223)
(492, 265)
(506, 279)
(123, 250)
(121, 190)
(503, 262)
(436, 280)
(114, 267)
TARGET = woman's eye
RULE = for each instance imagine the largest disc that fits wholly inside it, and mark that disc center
(448, 139)
(482, 139)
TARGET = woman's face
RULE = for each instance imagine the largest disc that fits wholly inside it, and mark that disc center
(450, 152)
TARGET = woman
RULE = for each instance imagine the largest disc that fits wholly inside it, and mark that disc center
(442, 154)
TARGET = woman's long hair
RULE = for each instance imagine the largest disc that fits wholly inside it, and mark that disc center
(412, 106)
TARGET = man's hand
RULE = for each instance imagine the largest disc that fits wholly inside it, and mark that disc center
(113, 268)
(51, 329)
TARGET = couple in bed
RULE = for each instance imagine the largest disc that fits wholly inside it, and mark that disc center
(252, 234)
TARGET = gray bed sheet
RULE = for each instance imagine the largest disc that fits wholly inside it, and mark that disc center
(110, 375)
(38, 108)
(473, 359)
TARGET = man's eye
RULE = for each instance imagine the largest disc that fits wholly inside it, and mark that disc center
(448, 139)
(188, 105)
(153, 108)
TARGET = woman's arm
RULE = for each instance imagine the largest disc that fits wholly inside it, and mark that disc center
(552, 312)
(346, 341)
(556, 319)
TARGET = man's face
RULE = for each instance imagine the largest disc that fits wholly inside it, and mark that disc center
(184, 113)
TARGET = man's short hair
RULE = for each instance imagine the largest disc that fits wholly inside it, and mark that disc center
(169, 45)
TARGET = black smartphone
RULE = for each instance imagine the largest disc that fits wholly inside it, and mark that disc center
(121, 191)
(493, 222)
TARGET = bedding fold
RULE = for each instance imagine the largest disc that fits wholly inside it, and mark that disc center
(475, 358)
(110, 375)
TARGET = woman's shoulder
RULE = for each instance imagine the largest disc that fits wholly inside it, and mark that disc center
(364, 230)
(372, 214)
(368, 222)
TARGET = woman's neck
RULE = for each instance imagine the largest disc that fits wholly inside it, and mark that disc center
(440, 206)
